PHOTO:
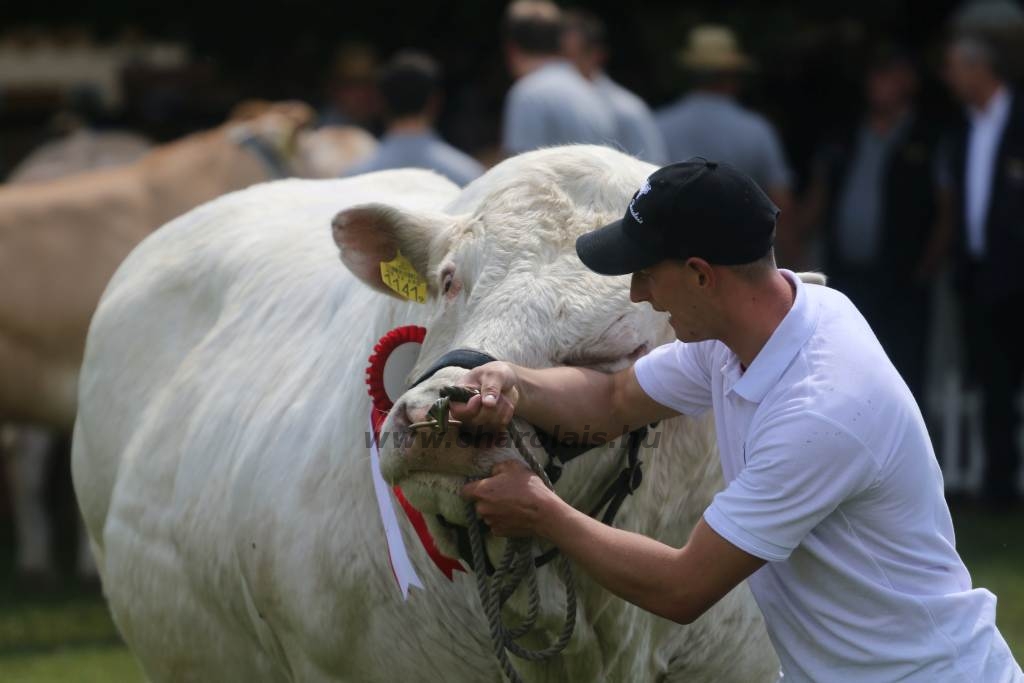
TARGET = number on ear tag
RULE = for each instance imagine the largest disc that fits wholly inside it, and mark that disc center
(401, 277)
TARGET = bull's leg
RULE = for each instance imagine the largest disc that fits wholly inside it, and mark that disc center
(28, 460)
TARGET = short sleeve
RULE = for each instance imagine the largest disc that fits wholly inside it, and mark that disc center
(677, 376)
(523, 125)
(799, 469)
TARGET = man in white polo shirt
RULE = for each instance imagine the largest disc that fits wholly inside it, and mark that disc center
(833, 507)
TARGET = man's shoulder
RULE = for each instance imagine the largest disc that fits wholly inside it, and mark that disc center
(842, 374)
(623, 97)
(549, 80)
(756, 124)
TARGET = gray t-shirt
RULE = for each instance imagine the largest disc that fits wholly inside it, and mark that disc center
(717, 128)
(636, 131)
(555, 105)
(420, 150)
(859, 215)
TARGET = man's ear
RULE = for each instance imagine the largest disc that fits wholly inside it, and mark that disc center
(702, 271)
(371, 234)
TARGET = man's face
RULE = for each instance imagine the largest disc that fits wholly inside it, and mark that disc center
(673, 286)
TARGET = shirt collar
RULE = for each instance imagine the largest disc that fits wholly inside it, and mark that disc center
(998, 108)
(782, 347)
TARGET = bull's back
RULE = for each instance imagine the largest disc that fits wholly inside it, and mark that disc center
(221, 373)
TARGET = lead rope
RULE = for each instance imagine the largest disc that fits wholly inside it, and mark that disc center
(517, 563)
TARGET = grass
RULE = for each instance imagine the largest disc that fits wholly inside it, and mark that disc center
(992, 547)
(66, 633)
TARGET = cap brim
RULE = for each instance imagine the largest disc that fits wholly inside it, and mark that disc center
(609, 251)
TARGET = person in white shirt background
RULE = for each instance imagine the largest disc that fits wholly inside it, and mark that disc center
(833, 509)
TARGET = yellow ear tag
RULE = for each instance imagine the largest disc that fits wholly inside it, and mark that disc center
(401, 276)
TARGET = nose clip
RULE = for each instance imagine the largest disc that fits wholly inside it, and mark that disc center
(438, 419)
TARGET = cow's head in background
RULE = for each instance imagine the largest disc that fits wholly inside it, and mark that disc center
(282, 134)
(503, 277)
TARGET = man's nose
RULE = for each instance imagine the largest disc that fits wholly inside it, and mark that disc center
(637, 292)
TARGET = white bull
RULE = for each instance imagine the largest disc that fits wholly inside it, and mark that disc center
(220, 452)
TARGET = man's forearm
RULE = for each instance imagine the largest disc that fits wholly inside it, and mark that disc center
(639, 569)
(570, 399)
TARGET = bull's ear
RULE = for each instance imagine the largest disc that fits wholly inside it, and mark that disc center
(371, 234)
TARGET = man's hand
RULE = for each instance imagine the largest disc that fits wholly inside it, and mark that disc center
(513, 501)
(499, 394)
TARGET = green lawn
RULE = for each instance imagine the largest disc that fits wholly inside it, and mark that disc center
(993, 549)
(61, 635)
(67, 635)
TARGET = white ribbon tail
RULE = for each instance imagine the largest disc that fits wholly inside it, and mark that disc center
(398, 556)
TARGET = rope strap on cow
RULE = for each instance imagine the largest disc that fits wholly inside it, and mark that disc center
(517, 564)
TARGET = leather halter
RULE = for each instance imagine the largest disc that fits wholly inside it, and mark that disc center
(625, 484)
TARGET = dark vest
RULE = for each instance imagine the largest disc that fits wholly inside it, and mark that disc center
(907, 203)
(1000, 273)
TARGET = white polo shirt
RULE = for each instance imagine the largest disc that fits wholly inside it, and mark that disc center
(830, 477)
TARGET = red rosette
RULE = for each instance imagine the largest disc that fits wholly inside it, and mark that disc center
(382, 350)
(376, 385)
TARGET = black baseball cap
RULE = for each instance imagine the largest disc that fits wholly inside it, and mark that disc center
(696, 207)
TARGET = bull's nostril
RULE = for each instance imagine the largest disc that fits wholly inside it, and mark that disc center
(414, 414)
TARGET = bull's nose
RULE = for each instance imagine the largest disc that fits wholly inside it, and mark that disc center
(414, 414)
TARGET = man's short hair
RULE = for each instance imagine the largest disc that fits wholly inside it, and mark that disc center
(587, 24)
(534, 26)
(407, 83)
(756, 270)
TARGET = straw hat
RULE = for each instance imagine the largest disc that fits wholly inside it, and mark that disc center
(714, 48)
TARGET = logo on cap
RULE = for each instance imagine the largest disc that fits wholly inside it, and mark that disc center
(644, 189)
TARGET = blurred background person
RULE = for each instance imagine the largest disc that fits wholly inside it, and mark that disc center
(987, 178)
(550, 103)
(584, 44)
(410, 87)
(352, 98)
(709, 122)
(873, 196)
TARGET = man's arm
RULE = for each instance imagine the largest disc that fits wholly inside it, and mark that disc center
(678, 584)
(571, 398)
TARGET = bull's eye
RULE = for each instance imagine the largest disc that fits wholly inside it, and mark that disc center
(446, 285)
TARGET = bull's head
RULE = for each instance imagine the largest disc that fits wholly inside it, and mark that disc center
(502, 277)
